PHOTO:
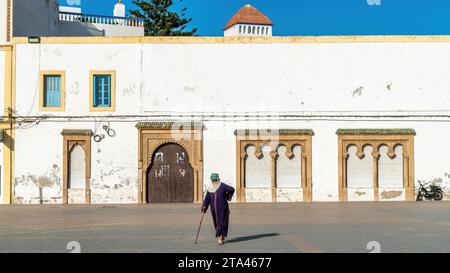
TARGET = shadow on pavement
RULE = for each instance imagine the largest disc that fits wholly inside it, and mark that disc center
(253, 237)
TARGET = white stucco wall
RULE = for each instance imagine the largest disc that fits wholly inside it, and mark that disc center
(310, 85)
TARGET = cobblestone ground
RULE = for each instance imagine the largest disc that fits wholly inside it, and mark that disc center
(317, 227)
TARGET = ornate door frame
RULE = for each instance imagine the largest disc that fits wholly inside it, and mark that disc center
(152, 135)
(72, 138)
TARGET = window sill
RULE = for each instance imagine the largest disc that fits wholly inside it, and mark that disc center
(52, 109)
(102, 109)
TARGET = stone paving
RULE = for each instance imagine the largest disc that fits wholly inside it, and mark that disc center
(255, 228)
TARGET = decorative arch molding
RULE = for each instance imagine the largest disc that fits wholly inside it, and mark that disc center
(376, 138)
(375, 146)
(184, 144)
(290, 138)
(152, 135)
(72, 138)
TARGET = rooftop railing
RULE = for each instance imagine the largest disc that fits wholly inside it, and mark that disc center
(97, 19)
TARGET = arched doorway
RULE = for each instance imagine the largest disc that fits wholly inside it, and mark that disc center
(76, 166)
(76, 185)
(170, 177)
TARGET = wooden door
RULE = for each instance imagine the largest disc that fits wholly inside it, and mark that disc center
(170, 178)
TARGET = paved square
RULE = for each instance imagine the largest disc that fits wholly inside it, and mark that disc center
(316, 227)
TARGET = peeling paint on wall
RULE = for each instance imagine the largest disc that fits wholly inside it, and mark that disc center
(289, 195)
(114, 189)
(258, 195)
(390, 194)
(45, 188)
(190, 89)
(360, 194)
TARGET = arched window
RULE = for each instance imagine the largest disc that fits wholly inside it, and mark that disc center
(383, 174)
(249, 30)
(267, 30)
(274, 168)
(359, 170)
(240, 29)
(289, 171)
(257, 31)
(258, 170)
(77, 171)
(390, 170)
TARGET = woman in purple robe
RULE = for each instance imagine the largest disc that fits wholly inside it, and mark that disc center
(218, 196)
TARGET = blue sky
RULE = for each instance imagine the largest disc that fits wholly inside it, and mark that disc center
(314, 17)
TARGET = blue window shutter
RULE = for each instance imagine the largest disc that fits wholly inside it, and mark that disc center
(57, 93)
(94, 93)
(48, 93)
(102, 91)
(109, 91)
(52, 89)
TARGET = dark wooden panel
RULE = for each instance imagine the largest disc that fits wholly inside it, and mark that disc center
(170, 178)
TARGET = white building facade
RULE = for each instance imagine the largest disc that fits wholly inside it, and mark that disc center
(290, 119)
(107, 120)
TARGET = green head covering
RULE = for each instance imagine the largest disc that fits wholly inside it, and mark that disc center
(215, 177)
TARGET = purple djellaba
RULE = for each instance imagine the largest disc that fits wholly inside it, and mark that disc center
(218, 196)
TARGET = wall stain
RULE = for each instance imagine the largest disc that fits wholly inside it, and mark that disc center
(33, 189)
(189, 89)
(129, 90)
(389, 86)
(446, 196)
(75, 88)
(359, 193)
(113, 54)
(358, 91)
(391, 194)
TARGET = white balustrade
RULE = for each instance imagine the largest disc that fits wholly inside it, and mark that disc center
(95, 19)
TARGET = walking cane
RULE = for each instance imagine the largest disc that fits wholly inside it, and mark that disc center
(198, 232)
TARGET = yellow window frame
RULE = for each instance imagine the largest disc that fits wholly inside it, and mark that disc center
(111, 73)
(42, 76)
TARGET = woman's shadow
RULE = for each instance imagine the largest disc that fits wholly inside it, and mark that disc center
(253, 237)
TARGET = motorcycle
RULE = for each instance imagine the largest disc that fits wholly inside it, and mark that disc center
(433, 192)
